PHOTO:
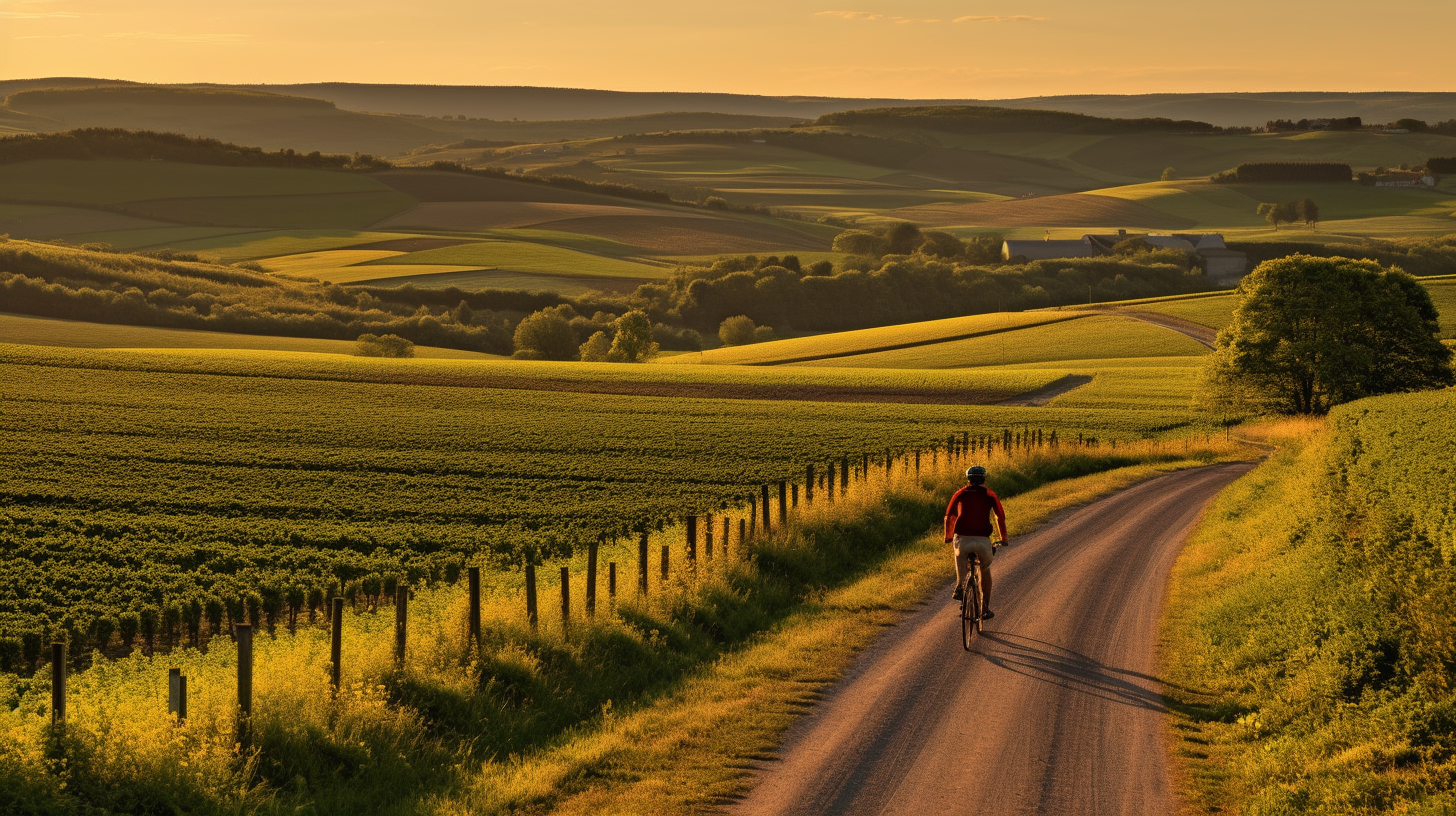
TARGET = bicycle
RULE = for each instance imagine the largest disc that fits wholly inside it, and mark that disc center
(971, 601)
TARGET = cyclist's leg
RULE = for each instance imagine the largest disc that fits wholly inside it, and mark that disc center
(986, 587)
(962, 558)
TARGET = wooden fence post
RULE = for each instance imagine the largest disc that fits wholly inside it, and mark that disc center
(794, 494)
(809, 484)
(401, 623)
(473, 579)
(829, 483)
(765, 509)
(336, 642)
(642, 564)
(917, 461)
(531, 617)
(665, 556)
(243, 634)
(843, 475)
(174, 691)
(724, 545)
(691, 523)
(58, 685)
(708, 536)
(591, 579)
(565, 599)
(783, 502)
(611, 581)
(742, 533)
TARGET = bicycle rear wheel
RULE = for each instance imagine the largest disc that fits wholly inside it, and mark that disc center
(976, 590)
(971, 606)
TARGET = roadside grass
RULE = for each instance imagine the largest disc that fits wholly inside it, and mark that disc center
(1306, 637)
(656, 705)
(696, 748)
(530, 257)
(101, 182)
(1094, 337)
(855, 342)
(48, 331)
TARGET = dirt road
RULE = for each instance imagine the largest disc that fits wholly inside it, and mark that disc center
(1056, 712)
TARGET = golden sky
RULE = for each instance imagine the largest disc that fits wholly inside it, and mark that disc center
(906, 48)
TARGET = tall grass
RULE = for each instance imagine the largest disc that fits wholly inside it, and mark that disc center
(515, 724)
(1309, 637)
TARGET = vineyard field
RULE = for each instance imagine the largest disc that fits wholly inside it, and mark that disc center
(129, 488)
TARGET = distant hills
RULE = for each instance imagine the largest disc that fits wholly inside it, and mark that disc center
(505, 103)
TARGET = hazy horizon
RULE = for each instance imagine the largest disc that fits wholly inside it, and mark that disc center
(922, 49)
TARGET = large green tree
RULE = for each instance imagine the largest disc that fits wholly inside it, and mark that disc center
(546, 335)
(633, 342)
(1310, 333)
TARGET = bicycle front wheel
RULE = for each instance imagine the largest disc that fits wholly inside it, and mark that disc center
(968, 616)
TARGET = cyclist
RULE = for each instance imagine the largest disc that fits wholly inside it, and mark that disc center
(968, 526)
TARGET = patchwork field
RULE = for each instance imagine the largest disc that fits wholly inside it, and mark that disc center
(47, 331)
(1089, 338)
(839, 344)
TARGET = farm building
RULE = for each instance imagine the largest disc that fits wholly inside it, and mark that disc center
(1224, 266)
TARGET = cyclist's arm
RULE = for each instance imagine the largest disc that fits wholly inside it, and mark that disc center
(1000, 516)
(951, 515)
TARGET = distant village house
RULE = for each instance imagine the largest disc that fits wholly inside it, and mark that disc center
(1223, 266)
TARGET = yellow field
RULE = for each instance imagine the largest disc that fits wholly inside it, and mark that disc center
(309, 262)
(858, 342)
(1094, 337)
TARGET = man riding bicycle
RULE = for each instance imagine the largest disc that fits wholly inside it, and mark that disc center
(968, 526)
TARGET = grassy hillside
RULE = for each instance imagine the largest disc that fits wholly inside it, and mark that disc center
(838, 344)
(1088, 338)
(1309, 624)
(50, 331)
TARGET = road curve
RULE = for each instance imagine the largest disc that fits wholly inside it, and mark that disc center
(1056, 712)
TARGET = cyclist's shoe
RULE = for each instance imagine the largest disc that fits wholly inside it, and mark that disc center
(987, 614)
(960, 594)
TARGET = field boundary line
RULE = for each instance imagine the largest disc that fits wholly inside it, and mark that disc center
(1197, 331)
(915, 343)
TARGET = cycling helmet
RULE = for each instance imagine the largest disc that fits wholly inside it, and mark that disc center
(975, 470)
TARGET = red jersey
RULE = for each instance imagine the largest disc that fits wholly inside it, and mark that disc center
(972, 507)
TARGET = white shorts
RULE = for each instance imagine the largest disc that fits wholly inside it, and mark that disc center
(980, 546)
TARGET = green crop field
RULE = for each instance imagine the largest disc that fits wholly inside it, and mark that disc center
(47, 331)
(1087, 338)
(857, 342)
(1214, 312)
(230, 452)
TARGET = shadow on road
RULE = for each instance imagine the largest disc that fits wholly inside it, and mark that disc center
(1070, 670)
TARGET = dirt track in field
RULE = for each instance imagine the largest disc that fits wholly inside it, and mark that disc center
(1056, 711)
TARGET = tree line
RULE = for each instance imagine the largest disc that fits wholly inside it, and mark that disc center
(986, 119)
(1286, 173)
